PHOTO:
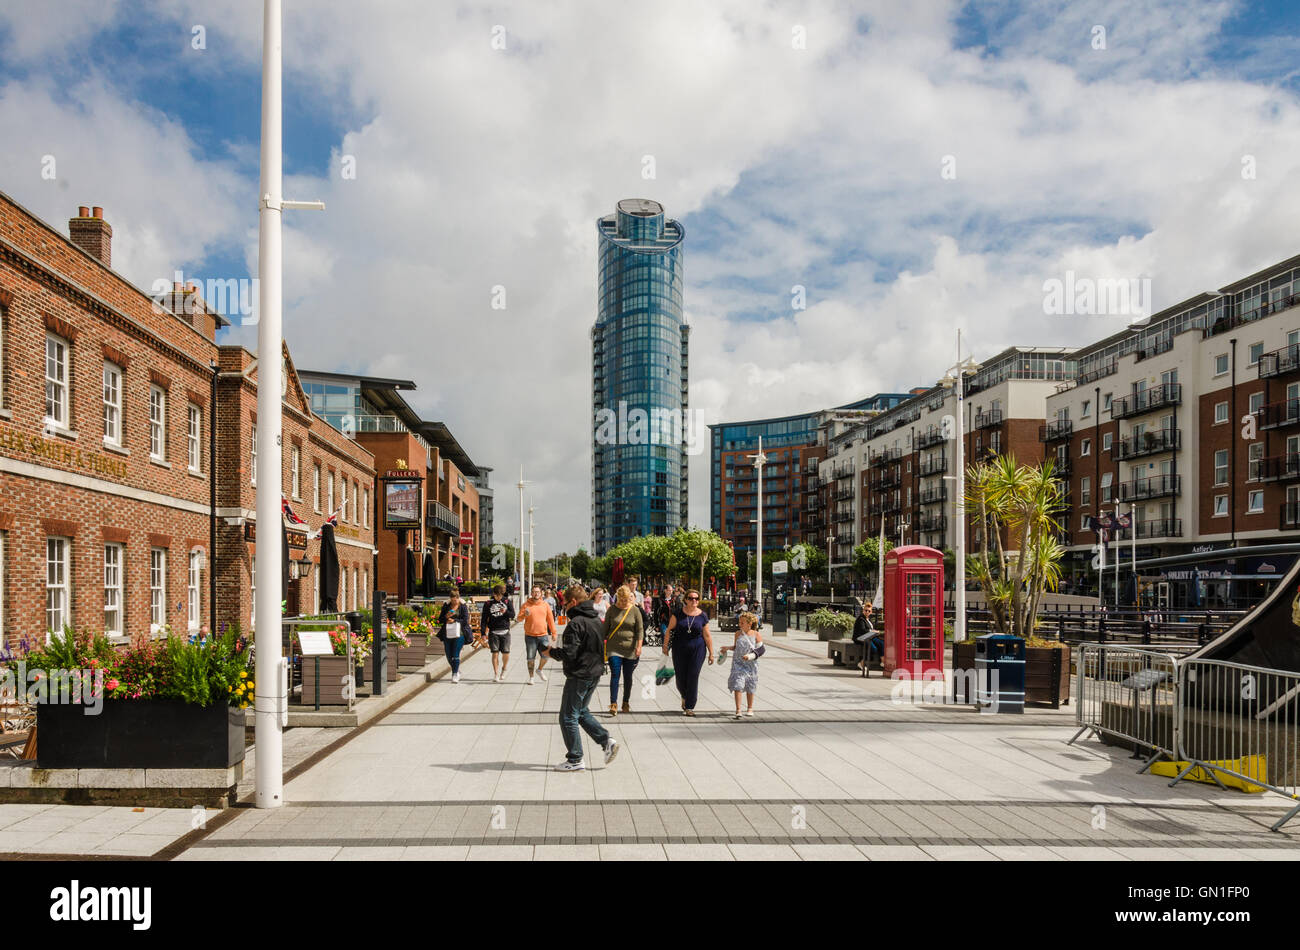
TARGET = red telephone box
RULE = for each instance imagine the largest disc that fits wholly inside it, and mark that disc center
(914, 610)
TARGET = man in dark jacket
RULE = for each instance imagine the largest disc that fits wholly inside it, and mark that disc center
(581, 651)
(495, 622)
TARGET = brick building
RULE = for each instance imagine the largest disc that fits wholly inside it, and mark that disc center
(108, 505)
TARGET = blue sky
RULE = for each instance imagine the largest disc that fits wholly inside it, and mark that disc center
(817, 166)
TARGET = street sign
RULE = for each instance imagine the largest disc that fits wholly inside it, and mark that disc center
(467, 537)
(780, 567)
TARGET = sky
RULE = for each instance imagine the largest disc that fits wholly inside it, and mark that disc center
(915, 168)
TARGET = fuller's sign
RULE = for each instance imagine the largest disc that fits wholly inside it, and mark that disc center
(401, 498)
(297, 536)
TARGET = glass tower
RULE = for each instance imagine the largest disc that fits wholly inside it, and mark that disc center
(641, 429)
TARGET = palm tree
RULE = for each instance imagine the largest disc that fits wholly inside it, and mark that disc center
(1022, 501)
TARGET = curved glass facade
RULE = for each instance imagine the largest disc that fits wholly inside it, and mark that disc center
(640, 423)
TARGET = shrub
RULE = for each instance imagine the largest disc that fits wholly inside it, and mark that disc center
(827, 619)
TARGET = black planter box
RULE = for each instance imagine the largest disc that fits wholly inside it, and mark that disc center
(139, 734)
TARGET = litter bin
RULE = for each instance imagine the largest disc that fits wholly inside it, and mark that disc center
(1000, 673)
(780, 613)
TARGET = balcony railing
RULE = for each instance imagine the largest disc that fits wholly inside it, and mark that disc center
(842, 471)
(987, 420)
(1226, 323)
(1157, 486)
(1061, 466)
(1155, 349)
(441, 518)
(932, 523)
(1149, 443)
(1276, 415)
(1160, 528)
(1280, 468)
(843, 516)
(1056, 431)
(1106, 369)
(888, 455)
(812, 483)
(932, 496)
(930, 437)
(886, 480)
(843, 494)
(934, 466)
(1147, 400)
(1280, 362)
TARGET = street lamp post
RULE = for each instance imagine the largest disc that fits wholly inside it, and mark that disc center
(759, 461)
(531, 555)
(954, 378)
(830, 539)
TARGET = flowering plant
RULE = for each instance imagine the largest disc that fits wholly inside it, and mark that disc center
(341, 636)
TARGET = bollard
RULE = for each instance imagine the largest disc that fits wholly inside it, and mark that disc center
(1101, 629)
(1146, 631)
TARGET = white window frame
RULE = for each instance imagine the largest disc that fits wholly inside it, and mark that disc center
(58, 602)
(114, 589)
(252, 457)
(1086, 411)
(1107, 486)
(1226, 461)
(1255, 402)
(112, 404)
(1221, 412)
(315, 486)
(194, 589)
(356, 576)
(343, 497)
(343, 589)
(1085, 448)
(58, 388)
(194, 438)
(157, 589)
(1254, 456)
(1251, 507)
(1226, 365)
(295, 472)
(365, 507)
(1220, 506)
(157, 423)
(1085, 490)
(1253, 352)
(329, 492)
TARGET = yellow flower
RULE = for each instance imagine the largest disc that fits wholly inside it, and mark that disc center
(243, 674)
(250, 686)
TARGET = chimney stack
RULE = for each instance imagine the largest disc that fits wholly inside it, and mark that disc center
(90, 232)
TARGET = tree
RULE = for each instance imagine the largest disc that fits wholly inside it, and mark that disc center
(699, 552)
(867, 557)
(802, 559)
(1021, 501)
(581, 564)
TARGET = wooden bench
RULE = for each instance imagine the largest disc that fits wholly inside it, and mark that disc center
(17, 730)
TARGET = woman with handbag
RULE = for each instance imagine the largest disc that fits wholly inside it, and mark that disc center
(744, 663)
(688, 639)
(624, 634)
(454, 630)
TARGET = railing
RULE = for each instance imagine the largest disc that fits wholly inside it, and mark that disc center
(288, 632)
(1278, 414)
(933, 466)
(1129, 694)
(811, 483)
(1060, 465)
(1279, 362)
(1169, 630)
(1149, 443)
(886, 480)
(1055, 431)
(1156, 486)
(1279, 468)
(843, 494)
(441, 517)
(888, 455)
(930, 437)
(1160, 528)
(1106, 369)
(843, 516)
(986, 420)
(1226, 323)
(1155, 349)
(1147, 400)
(933, 496)
(932, 523)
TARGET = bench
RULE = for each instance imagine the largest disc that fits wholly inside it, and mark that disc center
(848, 652)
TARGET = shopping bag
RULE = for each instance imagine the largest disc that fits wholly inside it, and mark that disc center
(664, 673)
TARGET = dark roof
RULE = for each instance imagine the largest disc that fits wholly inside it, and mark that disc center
(440, 436)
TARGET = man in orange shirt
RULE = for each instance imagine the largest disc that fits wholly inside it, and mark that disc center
(539, 627)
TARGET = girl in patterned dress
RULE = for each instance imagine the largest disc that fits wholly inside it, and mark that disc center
(744, 662)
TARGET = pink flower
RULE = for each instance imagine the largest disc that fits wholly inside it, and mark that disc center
(112, 684)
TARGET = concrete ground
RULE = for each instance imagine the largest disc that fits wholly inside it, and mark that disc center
(833, 766)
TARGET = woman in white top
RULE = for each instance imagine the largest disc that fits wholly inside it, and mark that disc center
(600, 598)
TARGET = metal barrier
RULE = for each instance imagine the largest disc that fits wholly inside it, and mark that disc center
(1225, 719)
(289, 629)
(1241, 721)
(1131, 694)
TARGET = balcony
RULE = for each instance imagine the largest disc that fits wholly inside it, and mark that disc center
(845, 471)
(1147, 400)
(1278, 415)
(1281, 362)
(1061, 466)
(987, 420)
(1160, 528)
(1226, 323)
(812, 483)
(441, 518)
(843, 494)
(813, 521)
(1280, 468)
(843, 516)
(889, 455)
(1056, 431)
(931, 437)
(1106, 369)
(886, 480)
(1149, 443)
(1290, 519)
(934, 466)
(1155, 349)
(1157, 486)
(932, 523)
(932, 496)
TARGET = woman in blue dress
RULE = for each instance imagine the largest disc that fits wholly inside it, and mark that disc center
(744, 663)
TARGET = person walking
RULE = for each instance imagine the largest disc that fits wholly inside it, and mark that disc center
(600, 598)
(495, 624)
(539, 627)
(454, 630)
(746, 650)
(581, 651)
(689, 640)
(624, 636)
